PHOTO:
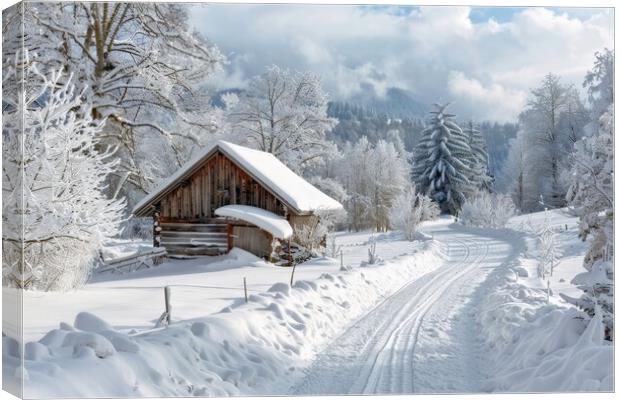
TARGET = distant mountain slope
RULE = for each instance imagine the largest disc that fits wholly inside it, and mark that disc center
(396, 103)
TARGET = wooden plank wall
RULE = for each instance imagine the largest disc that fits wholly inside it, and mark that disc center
(219, 182)
(252, 239)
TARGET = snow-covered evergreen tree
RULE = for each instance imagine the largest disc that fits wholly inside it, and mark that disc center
(481, 177)
(55, 214)
(442, 159)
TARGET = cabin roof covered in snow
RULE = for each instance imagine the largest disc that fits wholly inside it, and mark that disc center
(292, 189)
(276, 225)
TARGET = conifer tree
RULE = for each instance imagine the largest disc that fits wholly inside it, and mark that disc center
(441, 165)
(481, 177)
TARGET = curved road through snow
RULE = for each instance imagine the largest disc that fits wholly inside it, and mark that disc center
(422, 339)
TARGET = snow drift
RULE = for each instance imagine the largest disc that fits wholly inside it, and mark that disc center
(244, 349)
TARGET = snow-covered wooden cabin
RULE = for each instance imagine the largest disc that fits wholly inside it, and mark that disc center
(231, 196)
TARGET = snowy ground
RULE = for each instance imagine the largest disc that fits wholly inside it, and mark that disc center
(536, 342)
(464, 312)
(240, 350)
(573, 249)
(201, 286)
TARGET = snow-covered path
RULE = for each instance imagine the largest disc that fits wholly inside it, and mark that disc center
(422, 339)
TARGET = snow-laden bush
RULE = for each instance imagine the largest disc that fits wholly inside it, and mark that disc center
(313, 233)
(487, 210)
(410, 209)
(55, 215)
(332, 249)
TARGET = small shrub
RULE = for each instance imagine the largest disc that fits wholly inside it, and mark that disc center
(487, 210)
(410, 209)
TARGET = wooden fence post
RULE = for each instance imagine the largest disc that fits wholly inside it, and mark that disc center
(168, 305)
(245, 289)
(293, 274)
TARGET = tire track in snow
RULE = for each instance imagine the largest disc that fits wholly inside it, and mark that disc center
(371, 382)
(396, 369)
(376, 353)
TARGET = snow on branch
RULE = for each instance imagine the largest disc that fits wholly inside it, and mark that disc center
(56, 215)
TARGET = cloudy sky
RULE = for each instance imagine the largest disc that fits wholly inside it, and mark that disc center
(484, 60)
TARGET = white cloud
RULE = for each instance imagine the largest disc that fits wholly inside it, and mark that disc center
(486, 102)
(416, 49)
(313, 51)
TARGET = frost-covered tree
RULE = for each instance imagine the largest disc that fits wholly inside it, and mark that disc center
(354, 170)
(331, 187)
(481, 177)
(389, 175)
(549, 250)
(515, 170)
(373, 177)
(549, 126)
(600, 83)
(554, 127)
(285, 113)
(142, 69)
(55, 214)
(591, 194)
(442, 159)
(411, 208)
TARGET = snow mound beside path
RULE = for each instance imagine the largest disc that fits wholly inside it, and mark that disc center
(536, 346)
(251, 348)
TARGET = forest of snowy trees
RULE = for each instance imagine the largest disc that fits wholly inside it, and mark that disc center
(117, 99)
